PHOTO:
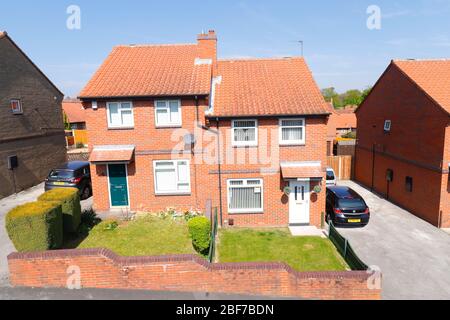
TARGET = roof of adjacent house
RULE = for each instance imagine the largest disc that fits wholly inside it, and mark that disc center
(74, 111)
(266, 87)
(150, 70)
(432, 76)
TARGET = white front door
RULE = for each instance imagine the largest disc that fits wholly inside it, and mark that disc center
(299, 203)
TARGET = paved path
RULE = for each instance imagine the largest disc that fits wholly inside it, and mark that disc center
(413, 255)
(105, 294)
(6, 204)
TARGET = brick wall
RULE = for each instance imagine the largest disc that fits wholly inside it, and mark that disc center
(414, 147)
(101, 268)
(37, 135)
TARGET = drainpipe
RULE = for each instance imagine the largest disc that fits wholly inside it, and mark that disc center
(219, 167)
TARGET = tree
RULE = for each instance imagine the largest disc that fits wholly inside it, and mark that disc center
(352, 98)
(66, 122)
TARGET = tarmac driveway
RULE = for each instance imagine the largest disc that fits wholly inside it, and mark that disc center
(6, 204)
(413, 255)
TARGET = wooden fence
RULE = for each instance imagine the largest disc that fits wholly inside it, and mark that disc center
(80, 137)
(342, 166)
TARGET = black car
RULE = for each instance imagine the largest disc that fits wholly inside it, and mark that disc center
(345, 206)
(75, 174)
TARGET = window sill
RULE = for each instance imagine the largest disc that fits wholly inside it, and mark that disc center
(245, 212)
(175, 126)
(120, 128)
(293, 144)
(245, 146)
(171, 194)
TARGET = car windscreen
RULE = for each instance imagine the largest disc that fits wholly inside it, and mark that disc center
(330, 175)
(351, 203)
(61, 174)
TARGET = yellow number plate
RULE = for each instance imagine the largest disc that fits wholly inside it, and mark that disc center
(59, 183)
(354, 220)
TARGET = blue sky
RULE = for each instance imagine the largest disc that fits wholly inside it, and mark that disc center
(341, 51)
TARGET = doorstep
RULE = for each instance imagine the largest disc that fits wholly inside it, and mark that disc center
(303, 231)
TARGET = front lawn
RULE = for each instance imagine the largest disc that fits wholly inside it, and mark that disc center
(277, 245)
(146, 236)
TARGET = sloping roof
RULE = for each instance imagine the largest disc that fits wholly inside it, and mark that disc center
(103, 154)
(264, 87)
(74, 111)
(432, 76)
(150, 70)
(4, 34)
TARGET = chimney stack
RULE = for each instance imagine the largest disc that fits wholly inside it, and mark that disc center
(207, 43)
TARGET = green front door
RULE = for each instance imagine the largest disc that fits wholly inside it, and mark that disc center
(118, 187)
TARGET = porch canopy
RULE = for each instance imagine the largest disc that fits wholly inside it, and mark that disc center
(302, 170)
(111, 154)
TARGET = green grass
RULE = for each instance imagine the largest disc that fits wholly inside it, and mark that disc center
(148, 236)
(277, 245)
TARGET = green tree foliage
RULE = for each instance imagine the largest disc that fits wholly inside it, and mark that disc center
(352, 97)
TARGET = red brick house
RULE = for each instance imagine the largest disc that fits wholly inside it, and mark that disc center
(403, 149)
(173, 126)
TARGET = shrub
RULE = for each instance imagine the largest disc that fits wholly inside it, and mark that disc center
(71, 206)
(200, 231)
(36, 226)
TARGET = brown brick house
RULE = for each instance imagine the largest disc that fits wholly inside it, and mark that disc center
(171, 125)
(403, 149)
(31, 124)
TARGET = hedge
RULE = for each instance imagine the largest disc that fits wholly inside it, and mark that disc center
(71, 206)
(200, 231)
(36, 226)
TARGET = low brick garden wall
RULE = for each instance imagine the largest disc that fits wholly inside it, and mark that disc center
(101, 268)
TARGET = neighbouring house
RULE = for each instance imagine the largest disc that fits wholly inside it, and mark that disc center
(403, 149)
(74, 111)
(173, 126)
(341, 122)
(76, 134)
(31, 122)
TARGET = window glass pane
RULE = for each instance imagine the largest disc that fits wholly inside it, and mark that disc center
(114, 115)
(242, 135)
(162, 116)
(164, 164)
(245, 198)
(292, 134)
(244, 124)
(166, 180)
(183, 171)
(126, 105)
(183, 187)
(237, 183)
(174, 112)
(127, 117)
(292, 123)
(161, 104)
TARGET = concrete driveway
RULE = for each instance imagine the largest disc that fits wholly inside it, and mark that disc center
(6, 204)
(413, 255)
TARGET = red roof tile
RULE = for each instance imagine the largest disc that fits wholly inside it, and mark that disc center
(74, 111)
(433, 76)
(153, 70)
(103, 155)
(267, 87)
(302, 172)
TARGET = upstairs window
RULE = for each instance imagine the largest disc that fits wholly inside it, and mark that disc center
(387, 126)
(168, 113)
(409, 184)
(16, 106)
(120, 115)
(292, 131)
(244, 133)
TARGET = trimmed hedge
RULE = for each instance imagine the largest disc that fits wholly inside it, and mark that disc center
(36, 226)
(71, 206)
(200, 231)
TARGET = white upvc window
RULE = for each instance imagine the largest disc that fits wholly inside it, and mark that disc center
(172, 176)
(292, 131)
(245, 196)
(387, 125)
(120, 114)
(168, 113)
(244, 133)
(16, 106)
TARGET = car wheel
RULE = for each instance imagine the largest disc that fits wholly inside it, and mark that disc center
(86, 193)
